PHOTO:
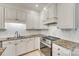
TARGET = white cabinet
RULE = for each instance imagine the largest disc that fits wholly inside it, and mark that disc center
(10, 15)
(51, 14)
(10, 48)
(15, 15)
(43, 19)
(24, 46)
(51, 11)
(60, 51)
(21, 16)
(2, 19)
(9, 51)
(67, 14)
(37, 42)
(30, 44)
(33, 20)
(20, 46)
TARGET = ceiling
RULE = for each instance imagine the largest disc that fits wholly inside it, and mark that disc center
(31, 5)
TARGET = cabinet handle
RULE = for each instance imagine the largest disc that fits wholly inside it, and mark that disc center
(16, 44)
(59, 54)
(21, 41)
(57, 27)
(58, 48)
(17, 19)
(9, 42)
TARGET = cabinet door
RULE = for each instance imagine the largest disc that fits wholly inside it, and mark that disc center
(60, 51)
(20, 47)
(21, 16)
(37, 42)
(54, 50)
(33, 21)
(43, 19)
(51, 11)
(9, 51)
(24, 46)
(10, 48)
(65, 13)
(2, 18)
(10, 14)
(30, 44)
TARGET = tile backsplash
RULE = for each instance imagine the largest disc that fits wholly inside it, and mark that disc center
(11, 28)
(72, 35)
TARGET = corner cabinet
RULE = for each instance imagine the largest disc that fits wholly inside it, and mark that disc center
(67, 14)
(2, 18)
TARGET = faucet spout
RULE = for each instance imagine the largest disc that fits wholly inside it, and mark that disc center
(17, 34)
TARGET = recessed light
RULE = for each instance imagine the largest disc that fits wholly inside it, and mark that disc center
(45, 8)
(36, 5)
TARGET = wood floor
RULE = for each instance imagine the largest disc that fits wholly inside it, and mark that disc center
(35, 53)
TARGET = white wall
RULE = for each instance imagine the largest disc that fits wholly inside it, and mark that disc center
(66, 35)
(31, 32)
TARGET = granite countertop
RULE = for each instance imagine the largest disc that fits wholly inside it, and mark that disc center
(66, 44)
(22, 37)
(1, 51)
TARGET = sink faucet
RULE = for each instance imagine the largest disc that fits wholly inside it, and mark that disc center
(17, 34)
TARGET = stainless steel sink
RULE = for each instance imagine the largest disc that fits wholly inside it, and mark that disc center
(15, 38)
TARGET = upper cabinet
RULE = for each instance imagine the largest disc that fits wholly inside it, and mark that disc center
(2, 19)
(50, 14)
(33, 20)
(43, 19)
(51, 11)
(10, 15)
(67, 14)
(15, 15)
(21, 16)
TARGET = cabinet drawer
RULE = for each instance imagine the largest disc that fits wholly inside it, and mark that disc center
(62, 54)
(58, 50)
(6, 43)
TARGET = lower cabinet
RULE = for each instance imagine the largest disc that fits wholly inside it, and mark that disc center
(30, 44)
(10, 48)
(37, 43)
(60, 51)
(20, 46)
